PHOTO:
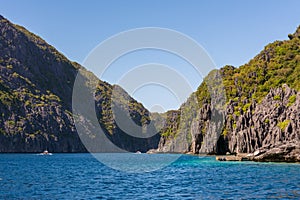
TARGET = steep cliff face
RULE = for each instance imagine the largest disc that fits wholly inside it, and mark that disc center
(261, 109)
(36, 84)
(273, 121)
(36, 88)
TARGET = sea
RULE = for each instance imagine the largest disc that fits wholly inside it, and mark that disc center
(132, 176)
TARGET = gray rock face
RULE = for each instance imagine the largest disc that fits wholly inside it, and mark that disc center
(36, 85)
(36, 88)
(205, 130)
(174, 144)
(273, 123)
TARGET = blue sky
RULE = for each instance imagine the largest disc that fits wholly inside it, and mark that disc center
(232, 32)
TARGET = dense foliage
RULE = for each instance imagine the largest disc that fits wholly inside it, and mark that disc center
(277, 64)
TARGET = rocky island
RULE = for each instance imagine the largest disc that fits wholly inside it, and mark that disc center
(260, 116)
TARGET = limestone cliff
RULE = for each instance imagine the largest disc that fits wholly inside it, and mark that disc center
(261, 109)
(36, 84)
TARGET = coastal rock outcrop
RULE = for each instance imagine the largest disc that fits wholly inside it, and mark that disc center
(261, 110)
(270, 127)
(286, 151)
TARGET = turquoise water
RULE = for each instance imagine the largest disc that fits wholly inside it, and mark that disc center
(81, 176)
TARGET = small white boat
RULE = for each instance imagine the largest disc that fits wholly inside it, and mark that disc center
(138, 152)
(46, 153)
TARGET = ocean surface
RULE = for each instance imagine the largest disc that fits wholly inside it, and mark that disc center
(82, 176)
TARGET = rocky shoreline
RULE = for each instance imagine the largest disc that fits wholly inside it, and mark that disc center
(285, 152)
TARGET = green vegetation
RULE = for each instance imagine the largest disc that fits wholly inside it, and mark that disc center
(292, 100)
(246, 106)
(277, 98)
(237, 111)
(2, 132)
(168, 132)
(234, 125)
(225, 132)
(172, 119)
(283, 125)
(11, 123)
(277, 64)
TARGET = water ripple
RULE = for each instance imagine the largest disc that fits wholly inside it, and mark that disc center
(81, 176)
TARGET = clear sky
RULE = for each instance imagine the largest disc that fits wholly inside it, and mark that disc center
(232, 32)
